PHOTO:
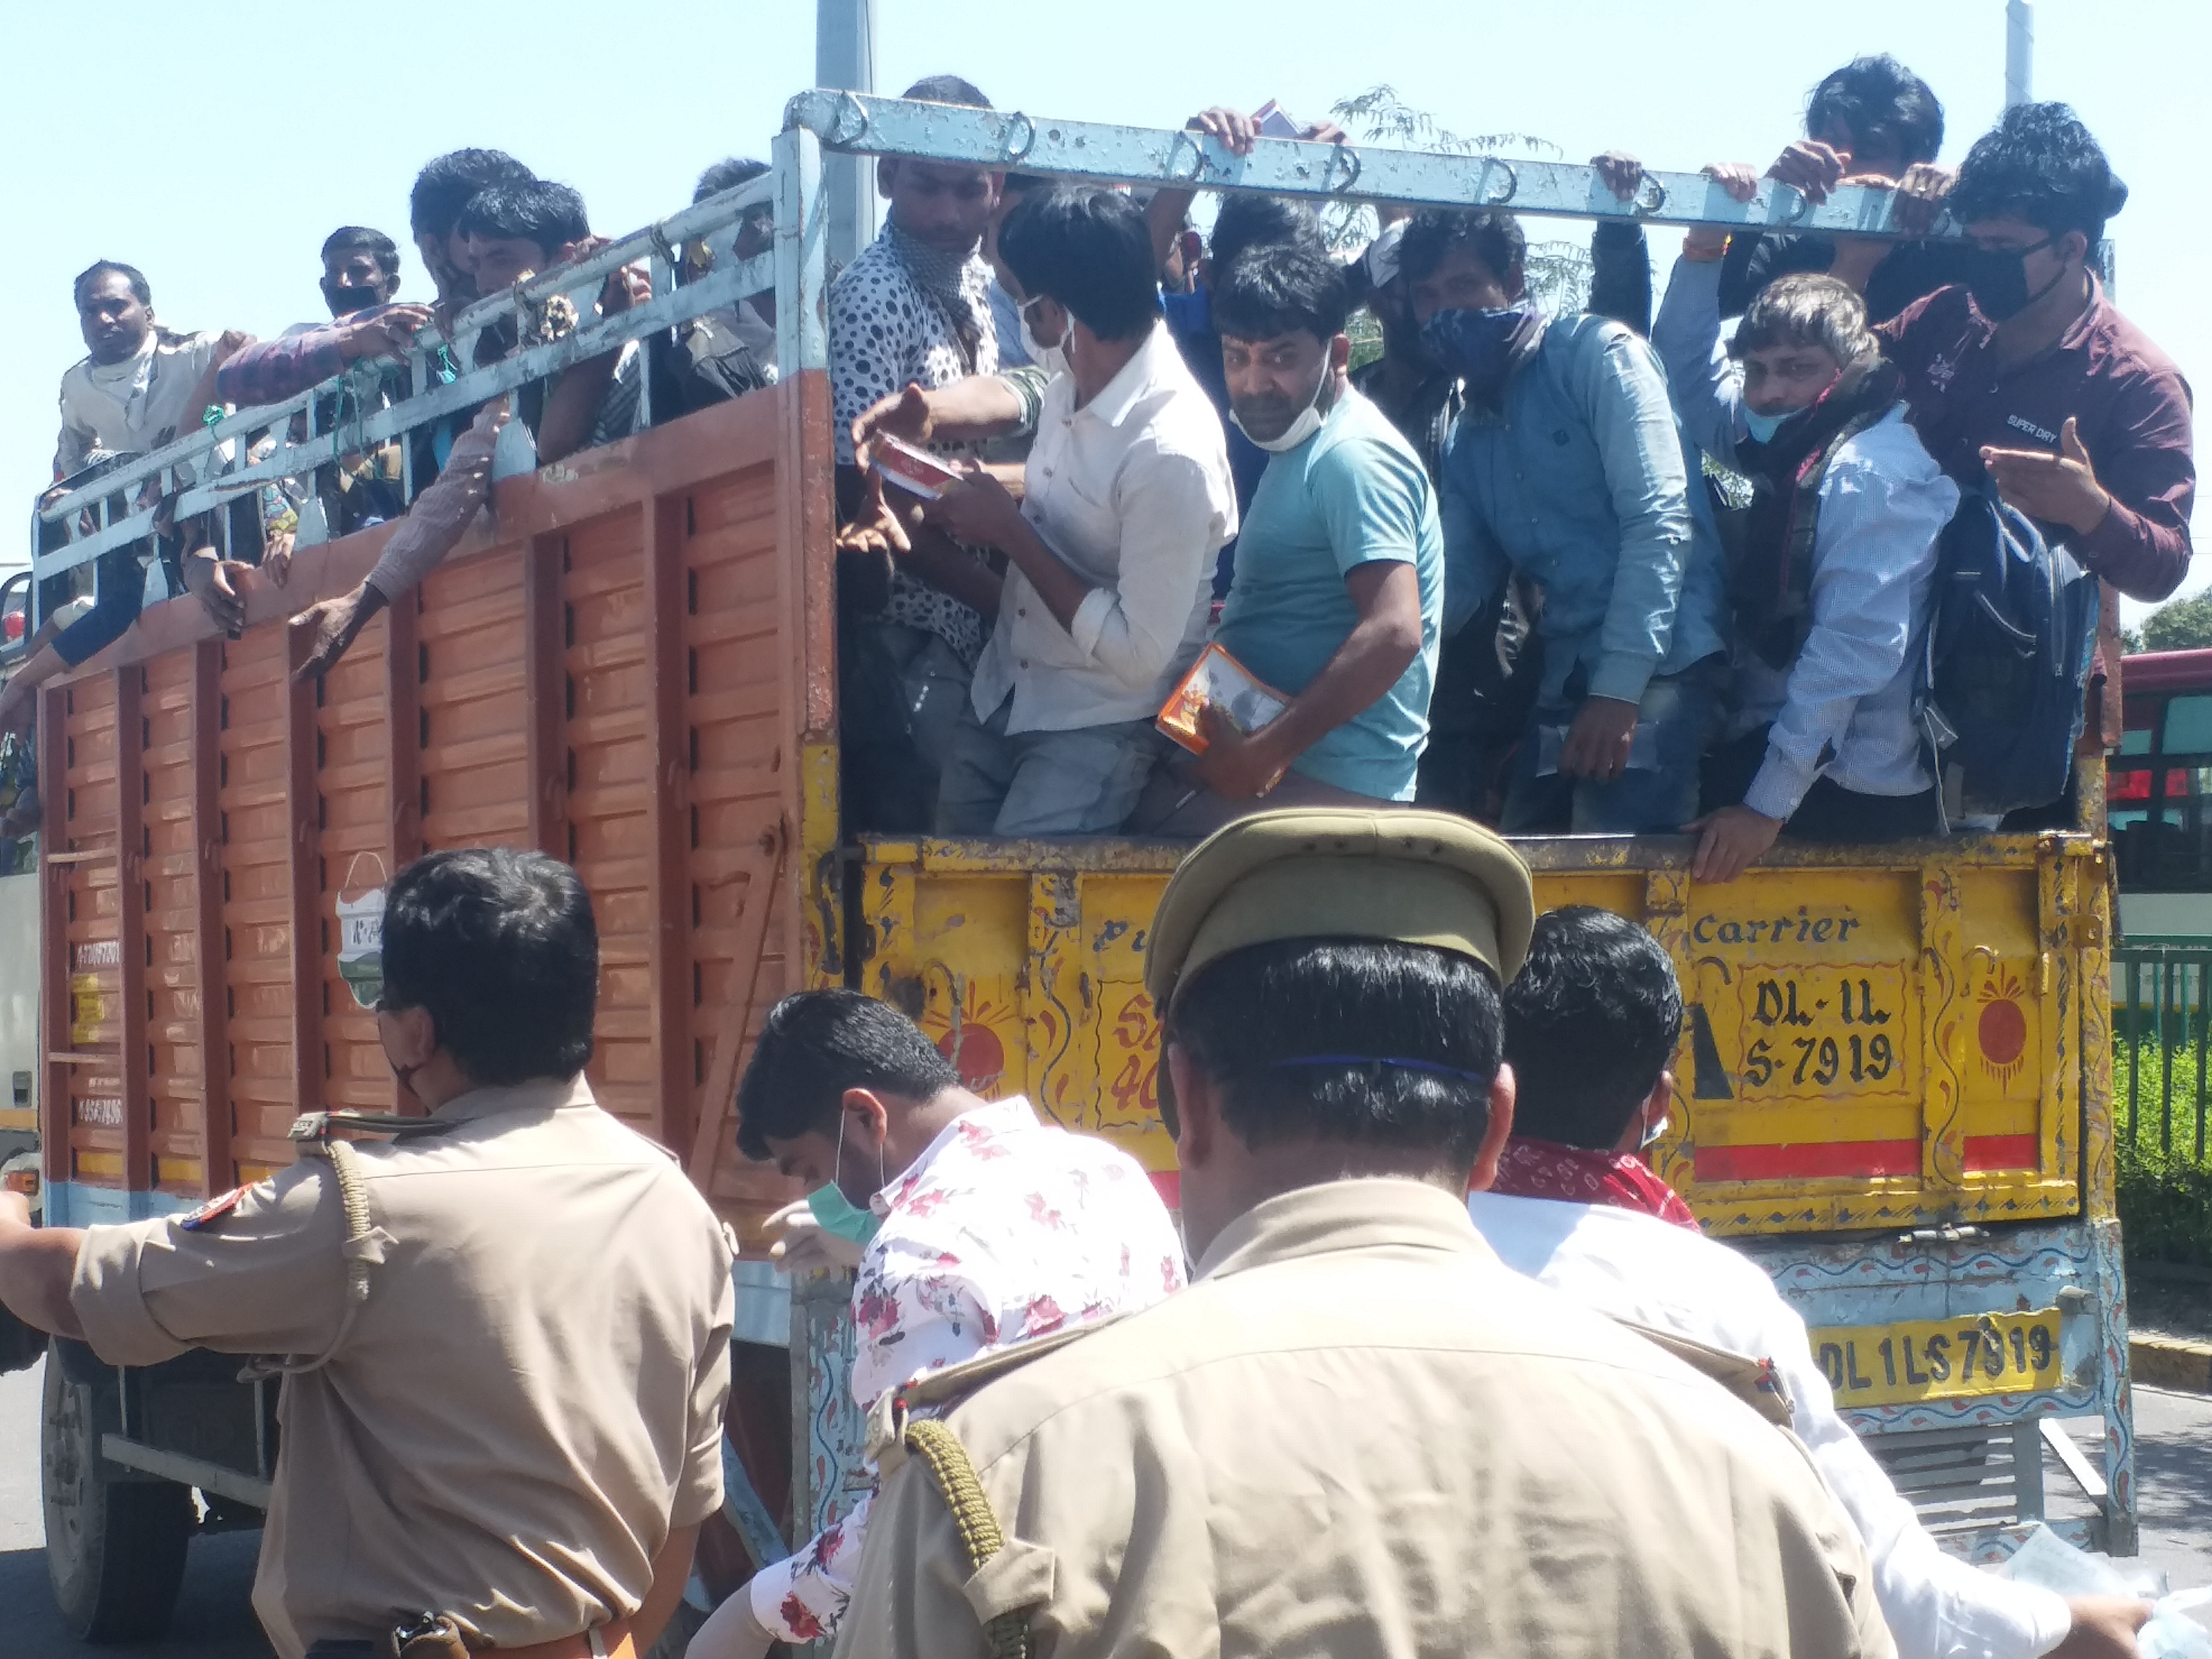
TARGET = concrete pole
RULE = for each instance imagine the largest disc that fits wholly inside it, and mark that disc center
(845, 61)
(2020, 51)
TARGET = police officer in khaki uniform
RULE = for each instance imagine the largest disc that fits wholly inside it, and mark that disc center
(506, 1340)
(1357, 1433)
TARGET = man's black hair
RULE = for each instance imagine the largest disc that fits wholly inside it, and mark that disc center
(1250, 222)
(1087, 247)
(1591, 1020)
(727, 174)
(1276, 290)
(536, 210)
(1250, 1020)
(1494, 238)
(946, 89)
(1879, 98)
(447, 183)
(2041, 165)
(380, 247)
(501, 950)
(813, 1046)
(98, 268)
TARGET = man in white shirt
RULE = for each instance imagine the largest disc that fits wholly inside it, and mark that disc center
(1590, 1022)
(1126, 499)
(973, 1225)
(1831, 566)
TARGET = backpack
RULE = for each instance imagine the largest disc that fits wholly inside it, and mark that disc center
(2013, 632)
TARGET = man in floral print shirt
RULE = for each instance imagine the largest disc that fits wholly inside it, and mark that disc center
(973, 1225)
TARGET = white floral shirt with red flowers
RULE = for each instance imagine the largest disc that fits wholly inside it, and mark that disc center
(1005, 1229)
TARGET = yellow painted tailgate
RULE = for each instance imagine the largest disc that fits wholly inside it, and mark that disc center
(1867, 1045)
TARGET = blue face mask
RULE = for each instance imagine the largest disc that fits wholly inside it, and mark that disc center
(1475, 345)
(837, 1214)
(1763, 426)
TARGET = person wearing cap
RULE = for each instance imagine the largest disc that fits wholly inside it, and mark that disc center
(1591, 1024)
(1356, 1433)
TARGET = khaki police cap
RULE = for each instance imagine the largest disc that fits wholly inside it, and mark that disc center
(1336, 873)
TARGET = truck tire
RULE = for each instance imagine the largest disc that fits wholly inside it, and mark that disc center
(115, 1546)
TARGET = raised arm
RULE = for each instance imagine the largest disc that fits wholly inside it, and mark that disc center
(1623, 391)
(1707, 392)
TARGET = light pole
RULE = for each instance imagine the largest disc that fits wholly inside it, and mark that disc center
(845, 61)
(2020, 51)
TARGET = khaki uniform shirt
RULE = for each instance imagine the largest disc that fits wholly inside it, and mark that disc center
(1359, 1434)
(529, 1402)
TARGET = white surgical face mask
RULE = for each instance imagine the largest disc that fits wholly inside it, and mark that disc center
(1653, 1131)
(1052, 359)
(1307, 423)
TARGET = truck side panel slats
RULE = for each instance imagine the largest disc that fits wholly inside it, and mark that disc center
(601, 672)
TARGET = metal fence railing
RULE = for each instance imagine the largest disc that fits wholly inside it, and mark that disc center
(2162, 1029)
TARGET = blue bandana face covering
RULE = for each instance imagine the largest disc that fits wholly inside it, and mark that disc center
(1475, 345)
(837, 1214)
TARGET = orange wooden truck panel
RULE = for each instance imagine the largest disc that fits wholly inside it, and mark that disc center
(623, 668)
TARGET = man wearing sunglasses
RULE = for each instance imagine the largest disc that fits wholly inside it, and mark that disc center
(2028, 375)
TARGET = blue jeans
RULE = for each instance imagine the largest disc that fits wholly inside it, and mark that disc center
(1081, 783)
(1656, 794)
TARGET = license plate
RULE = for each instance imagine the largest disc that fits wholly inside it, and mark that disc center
(1941, 1358)
(1817, 1033)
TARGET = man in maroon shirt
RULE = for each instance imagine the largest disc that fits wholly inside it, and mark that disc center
(2027, 375)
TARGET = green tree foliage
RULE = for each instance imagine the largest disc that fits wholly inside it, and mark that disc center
(1559, 271)
(2164, 1164)
(2182, 625)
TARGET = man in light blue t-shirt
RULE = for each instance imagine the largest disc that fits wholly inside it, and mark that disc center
(1339, 590)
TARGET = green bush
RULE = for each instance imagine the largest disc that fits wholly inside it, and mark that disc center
(2165, 1196)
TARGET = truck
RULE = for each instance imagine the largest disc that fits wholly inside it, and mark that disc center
(1894, 1084)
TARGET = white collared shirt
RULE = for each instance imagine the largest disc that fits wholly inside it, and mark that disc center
(1133, 491)
(1641, 1268)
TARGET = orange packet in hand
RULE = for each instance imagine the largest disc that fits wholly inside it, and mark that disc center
(1219, 680)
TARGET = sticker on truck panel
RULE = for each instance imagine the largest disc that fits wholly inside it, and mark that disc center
(1941, 1358)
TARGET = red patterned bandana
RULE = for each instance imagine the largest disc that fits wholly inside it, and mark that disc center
(1575, 1174)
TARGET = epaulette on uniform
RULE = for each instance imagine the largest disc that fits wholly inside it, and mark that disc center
(934, 1390)
(1757, 1382)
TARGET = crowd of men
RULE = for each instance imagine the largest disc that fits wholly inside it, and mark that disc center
(1499, 569)
(1604, 572)
(1428, 1361)
(481, 222)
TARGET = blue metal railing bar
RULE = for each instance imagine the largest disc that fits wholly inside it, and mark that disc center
(857, 123)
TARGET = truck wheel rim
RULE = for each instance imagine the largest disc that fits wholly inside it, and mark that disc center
(66, 1465)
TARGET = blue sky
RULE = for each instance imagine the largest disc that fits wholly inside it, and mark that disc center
(213, 147)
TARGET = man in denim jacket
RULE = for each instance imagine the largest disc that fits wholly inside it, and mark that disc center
(1567, 467)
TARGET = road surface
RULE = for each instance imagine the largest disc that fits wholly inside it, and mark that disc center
(2173, 1469)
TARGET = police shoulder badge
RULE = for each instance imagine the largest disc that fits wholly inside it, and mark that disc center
(213, 1211)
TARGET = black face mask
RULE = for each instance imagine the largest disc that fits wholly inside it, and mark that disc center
(344, 302)
(1997, 278)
